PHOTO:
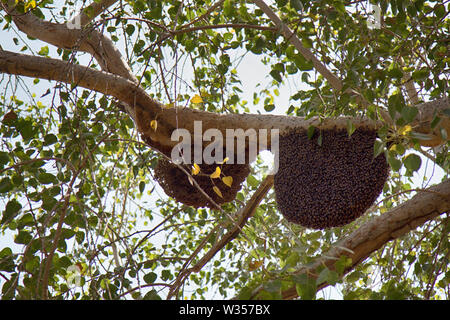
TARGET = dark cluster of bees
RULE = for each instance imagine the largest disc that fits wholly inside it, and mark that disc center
(177, 185)
(328, 184)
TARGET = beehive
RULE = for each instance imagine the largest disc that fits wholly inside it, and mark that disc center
(331, 184)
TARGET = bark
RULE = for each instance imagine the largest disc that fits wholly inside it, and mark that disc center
(371, 236)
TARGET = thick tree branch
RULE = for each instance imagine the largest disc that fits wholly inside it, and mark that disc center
(147, 109)
(371, 236)
(86, 40)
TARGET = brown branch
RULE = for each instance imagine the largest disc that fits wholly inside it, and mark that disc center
(49, 257)
(169, 119)
(24, 163)
(224, 26)
(242, 218)
(86, 40)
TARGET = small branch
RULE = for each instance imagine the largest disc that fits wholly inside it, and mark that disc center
(224, 26)
(144, 286)
(24, 163)
(49, 258)
(242, 217)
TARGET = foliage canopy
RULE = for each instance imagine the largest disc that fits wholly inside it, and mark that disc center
(76, 180)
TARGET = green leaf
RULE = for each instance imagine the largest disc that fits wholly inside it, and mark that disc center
(152, 295)
(378, 148)
(327, 276)
(50, 139)
(12, 209)
(343, 263)
(412, 162)
(310, 132)
(320, 139)
(395, 72)
(302, 63)
(141, 186)
(252, 181)
(306, 287)
(150, 277)
(420, 74)
(7, 260)
(296, 4)
(394, 162)
(396, 103)
(24, 237)
(228, 8)
(350, 127)
(4, 159)
(26, 128)
(44, 51)
(130, 29)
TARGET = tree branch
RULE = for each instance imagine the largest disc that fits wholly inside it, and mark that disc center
(207, 13)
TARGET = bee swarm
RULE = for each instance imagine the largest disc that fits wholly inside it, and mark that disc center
(328, 185)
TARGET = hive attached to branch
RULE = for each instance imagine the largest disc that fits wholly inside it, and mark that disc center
(331, 184)
(176, 184)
